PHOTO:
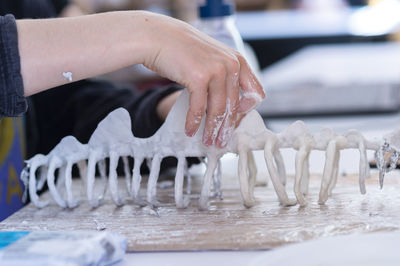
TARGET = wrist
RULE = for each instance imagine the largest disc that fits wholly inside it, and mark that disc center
(143, 44)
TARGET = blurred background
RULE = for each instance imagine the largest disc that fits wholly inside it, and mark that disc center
(314, 57)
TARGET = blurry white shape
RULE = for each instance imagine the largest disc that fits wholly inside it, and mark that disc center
(256, 25)
(67, 76)
(323, 5)
(376, 20)
(366, 249)
(251, 58)
(334, 78)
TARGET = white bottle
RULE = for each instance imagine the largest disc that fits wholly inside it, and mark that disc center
(216, 19)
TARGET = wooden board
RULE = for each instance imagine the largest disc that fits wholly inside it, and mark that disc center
(228, 225)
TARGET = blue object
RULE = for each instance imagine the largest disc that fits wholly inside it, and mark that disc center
(11, 164)
(7, 238)
(40, 248)
(215, 8)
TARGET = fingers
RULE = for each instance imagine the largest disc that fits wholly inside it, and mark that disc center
(216, 107)
(232, 104)
(220, 94)
(197, 108)
(217, 77)
(252, 91)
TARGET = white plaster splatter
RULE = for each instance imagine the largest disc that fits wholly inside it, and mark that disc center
(68, 76)
(227, 130)
(99, 226)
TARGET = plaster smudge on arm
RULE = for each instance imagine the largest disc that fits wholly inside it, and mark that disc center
(67, 76)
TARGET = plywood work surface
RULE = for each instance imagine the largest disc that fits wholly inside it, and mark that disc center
(228, 225)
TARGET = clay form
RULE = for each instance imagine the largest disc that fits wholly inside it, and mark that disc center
(113, 139)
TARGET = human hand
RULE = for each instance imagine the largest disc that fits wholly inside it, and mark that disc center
(220, 82)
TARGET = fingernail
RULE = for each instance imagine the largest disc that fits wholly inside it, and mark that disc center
(189, 133)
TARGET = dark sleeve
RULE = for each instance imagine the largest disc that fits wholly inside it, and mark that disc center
(22, 9)
(76, 109)
(12, 101)
(145, 120)
(59, 5)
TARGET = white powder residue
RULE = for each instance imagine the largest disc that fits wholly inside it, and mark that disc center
(197, 119)
(227, 131)
(217, 123)
(68, 76)
(99, 226)
(253, 95)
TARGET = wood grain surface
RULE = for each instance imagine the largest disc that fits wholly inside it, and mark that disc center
(227, 225)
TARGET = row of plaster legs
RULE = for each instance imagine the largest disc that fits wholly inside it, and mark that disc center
(247, 175)
(330, 172)
(87, 170)
(247, 169)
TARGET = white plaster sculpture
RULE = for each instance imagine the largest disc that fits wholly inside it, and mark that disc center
(388, 154)
(298, 137)
(113, 139)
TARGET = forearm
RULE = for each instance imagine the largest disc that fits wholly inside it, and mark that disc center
(86, 46)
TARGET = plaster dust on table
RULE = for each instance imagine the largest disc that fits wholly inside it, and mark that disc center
(227, 225)
(99, 226)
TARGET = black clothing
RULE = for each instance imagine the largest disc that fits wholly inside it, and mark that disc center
(72, 109)
(12, 101)
(76, 109)
(32, 8)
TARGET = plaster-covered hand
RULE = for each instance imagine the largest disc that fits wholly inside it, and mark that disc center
(213, 73)
(88, 46)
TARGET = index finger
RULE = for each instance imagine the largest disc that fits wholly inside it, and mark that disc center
(232, 103)
(197, 108)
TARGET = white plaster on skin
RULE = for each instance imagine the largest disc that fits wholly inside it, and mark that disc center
(197, 119)
(227, 129)
(249, 101)
(67, 76)
(217, 123)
